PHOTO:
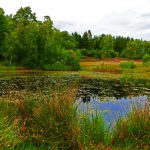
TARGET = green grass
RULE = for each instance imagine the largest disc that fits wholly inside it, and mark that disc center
(103, 69)
(52, 122)
(133, 130)
(127, 65)
(48, 121)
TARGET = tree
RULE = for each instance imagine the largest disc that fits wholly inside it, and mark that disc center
(120, 43)
(26, 14)
(134, 50)
(31, 52)
(146, 45)
(18, 41)
(67, 41)
(3, 28)
(78, 39)
(107, 44)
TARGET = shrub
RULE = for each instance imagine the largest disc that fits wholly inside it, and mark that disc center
(146, 58)
(72, 58)
(57, 66)
(147, 64)
(127, 65)
(108, 54)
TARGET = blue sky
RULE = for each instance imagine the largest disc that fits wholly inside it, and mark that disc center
(116, 17)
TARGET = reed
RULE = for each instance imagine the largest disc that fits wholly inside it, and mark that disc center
(134, 129)
(53, 122)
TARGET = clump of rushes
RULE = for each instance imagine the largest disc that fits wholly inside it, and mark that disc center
(134, 130)
(127, 65)
(52, 122)
(55, 122)
(94, 131)
(40, 122)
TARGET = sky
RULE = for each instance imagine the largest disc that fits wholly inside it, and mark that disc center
(116, 17)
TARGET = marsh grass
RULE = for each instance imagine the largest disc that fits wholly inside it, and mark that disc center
(49, 121)
(134, 129)
(103, 67)
(52, 122)
(114, 69)
(94, 130)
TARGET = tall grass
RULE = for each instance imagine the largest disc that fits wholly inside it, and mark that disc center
(127, 65)
(134, 129)
(53, 123)
(94, 130)
(103, 67)
(40, 121)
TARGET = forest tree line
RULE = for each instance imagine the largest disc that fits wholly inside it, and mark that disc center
(26, 41)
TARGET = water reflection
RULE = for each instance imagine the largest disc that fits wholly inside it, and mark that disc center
(112, 109)
(107, 89)
(85, 99)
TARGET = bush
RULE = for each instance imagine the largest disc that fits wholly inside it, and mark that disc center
(127, 65)
(147, 64)
(108, 54)
(57, 66)
(72, 58)
(146, 58)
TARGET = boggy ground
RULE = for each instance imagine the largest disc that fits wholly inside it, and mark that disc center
(112, 69)
(90, 68)
(39, 121)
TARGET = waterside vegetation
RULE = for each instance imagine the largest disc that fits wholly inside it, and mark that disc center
(29, 121)
(47, 118)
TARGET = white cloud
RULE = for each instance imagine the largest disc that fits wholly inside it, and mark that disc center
(118, 17)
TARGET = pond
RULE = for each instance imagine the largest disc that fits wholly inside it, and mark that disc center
(111, 110)
(112, 97)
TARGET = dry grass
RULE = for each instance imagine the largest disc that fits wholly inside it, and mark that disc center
(52, 122)
(110, 69)
(115, 61)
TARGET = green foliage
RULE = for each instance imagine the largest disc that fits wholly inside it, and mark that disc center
(3, 29)
(86, 41)
(107, 54)
(51, 121)
(89, 53)
(146, 58)
(25, 41)
(25, 13)
(67, 41)
(94, 129)
(127, 65)
(57, 66)
(120, 43)
(107, 47)
(134, 129)
(134, 50)
(39, 121)
(33, 44)
(72, 59)
(107, 42)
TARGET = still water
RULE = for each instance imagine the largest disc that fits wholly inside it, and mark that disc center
(112, 98)
(112, 109)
